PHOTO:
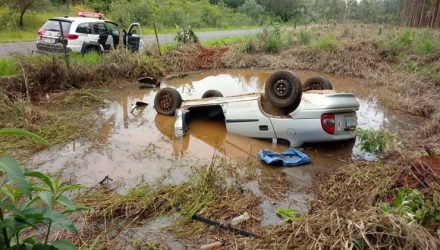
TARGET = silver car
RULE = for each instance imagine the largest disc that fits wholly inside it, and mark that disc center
(287, 111)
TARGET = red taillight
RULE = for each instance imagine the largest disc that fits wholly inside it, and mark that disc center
(328, 123)
(40, 33)
(71, 36)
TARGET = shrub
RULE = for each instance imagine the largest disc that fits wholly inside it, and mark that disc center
(304, 37)
(185, 34)
(325, 42)
(8, 66)
(374, 141)
(405, 38)
(426, 46)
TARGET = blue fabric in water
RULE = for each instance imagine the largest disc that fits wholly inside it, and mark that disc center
(288, 158)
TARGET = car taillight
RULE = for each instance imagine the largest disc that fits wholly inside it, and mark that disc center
(40, 33)
(71, 36)
(328, 123)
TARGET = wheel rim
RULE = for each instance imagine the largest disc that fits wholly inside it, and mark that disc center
(282, 89)
(166, 102)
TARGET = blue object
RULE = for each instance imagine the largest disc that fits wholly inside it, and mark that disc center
(290, 157)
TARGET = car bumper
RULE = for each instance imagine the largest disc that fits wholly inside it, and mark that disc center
(46, 48)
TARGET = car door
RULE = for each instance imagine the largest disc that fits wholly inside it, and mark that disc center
(133, 38)
(114, 31)
(103, 34)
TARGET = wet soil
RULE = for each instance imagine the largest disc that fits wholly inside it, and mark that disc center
(135, 144)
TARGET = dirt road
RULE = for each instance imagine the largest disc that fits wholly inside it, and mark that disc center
(27, 47)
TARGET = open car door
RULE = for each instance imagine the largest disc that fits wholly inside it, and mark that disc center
(133, 38)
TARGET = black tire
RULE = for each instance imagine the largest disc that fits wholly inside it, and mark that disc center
(317, 83)
(283, 90)
(92, 49)
(212, 93)
(167, 100)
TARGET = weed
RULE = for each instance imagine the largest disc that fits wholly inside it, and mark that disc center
(325, 42)
(426, 46)
(185, 34)
(374, 141)
(8, 66)
(288, 214)
(304, 37)
(405, 38)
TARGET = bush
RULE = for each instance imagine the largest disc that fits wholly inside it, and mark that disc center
(325, 42)
(8, 66)
(304, 37)
(406, 38)
(426, 46)
(374, 141)
(185, 34)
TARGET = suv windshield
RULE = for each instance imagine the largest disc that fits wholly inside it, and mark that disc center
(53, 25)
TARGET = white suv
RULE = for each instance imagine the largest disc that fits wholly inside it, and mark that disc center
(85, 34)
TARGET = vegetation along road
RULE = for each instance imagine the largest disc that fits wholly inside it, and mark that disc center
(27, 47)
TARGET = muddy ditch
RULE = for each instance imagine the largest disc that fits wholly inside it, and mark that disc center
(136, 146)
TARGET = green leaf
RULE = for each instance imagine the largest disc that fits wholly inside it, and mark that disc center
(46, 179)
(43, 247)
(10, 207)
(15, 172)
(46, 197)
(69, 187)
(30, 241)
(71, 207)
(63, 245)
(23, 133)
(7, 223)
(60, 219)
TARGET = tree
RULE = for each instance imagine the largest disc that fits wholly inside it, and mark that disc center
(252, 9)
(20, 6)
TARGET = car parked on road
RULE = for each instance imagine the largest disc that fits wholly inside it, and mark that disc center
(87, 32)
(286, 111)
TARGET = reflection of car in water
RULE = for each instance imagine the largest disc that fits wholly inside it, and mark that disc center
(284, 112)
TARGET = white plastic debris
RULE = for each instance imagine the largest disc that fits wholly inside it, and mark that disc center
(237, 220)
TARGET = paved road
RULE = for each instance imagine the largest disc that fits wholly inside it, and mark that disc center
(27, 47)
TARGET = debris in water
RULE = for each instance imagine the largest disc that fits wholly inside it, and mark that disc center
(148, 82)
(224, 226)
(106, 178)
(239, 219)
(211, 246)
(137, 104)
(290, 157)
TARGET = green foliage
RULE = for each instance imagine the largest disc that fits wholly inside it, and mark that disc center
(374, 141)
(411, 205)
(426, 46)
(288, 214)
(25, 204)
(184, 35)
(272, 40)
(8, 66)
(325, 42)
(405, 38)
(304, 37)
(23, 133)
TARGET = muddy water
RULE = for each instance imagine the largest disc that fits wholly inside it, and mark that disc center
(137, 144)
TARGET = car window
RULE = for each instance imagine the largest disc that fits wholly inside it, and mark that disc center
(84, 28)
(54, 25)
(113, 28)
(100, 29)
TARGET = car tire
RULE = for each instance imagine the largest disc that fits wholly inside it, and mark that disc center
(167, 100)
(92, 49)
(212, 93)
(317, 83)
(283, 90)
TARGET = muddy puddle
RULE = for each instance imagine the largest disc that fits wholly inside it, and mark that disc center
(137, 144)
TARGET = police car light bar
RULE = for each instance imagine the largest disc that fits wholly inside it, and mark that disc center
(90, 14)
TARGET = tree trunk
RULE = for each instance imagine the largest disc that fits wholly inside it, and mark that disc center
(20, 23)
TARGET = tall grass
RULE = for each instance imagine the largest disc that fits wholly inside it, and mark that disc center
(8, 66)
(304, 37)
(325, 42)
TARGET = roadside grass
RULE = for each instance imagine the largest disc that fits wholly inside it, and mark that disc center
(8, 66)
(325, 43)
(172, 30)
(225, 41)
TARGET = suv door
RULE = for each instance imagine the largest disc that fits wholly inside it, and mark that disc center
(114, 31)
(133, 39)
(103, 34)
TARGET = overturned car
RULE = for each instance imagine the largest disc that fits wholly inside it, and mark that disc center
(287, 111)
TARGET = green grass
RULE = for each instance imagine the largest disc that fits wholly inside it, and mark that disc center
(225, 41)
(8, 66)
(172, 30)
(325, 42)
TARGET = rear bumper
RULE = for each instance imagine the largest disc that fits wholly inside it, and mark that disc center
(45, 48)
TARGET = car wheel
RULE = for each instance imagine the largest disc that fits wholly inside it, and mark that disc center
(92, 49)
(283, 90)
(212, 93)
(317, 83)
(167, 100)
